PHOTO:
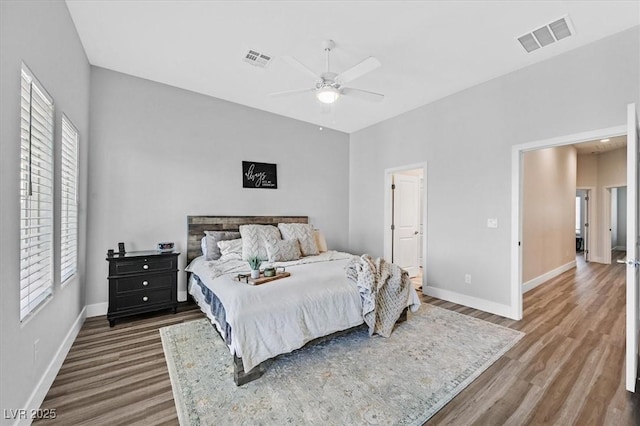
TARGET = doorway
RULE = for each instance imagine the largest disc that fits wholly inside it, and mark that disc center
(615, 232)
(584, 202)
(631, 131)
(405, 214)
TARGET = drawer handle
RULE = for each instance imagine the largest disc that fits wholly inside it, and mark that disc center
(145, 283)
(145, 298)
(145, 266)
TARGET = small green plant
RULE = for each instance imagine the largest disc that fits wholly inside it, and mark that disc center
(254, 263)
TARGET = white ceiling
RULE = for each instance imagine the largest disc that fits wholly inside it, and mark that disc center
(599, 147)
(428, 49)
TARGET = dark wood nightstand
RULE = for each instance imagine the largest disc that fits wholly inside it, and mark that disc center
(142, 281)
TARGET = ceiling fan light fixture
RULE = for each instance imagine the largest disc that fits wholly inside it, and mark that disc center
(327, 94)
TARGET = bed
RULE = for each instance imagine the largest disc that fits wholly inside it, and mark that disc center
(260, 322)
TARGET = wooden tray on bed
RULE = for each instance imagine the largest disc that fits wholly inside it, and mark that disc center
(257, 281)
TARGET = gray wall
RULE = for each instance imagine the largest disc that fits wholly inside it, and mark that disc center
(43, 36)
(160, 153)
(466, 139)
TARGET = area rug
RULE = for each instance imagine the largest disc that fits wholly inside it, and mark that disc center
(348, 379)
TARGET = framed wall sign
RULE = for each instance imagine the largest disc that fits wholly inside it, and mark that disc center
(259, 175)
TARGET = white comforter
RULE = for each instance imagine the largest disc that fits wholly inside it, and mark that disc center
(280, 316)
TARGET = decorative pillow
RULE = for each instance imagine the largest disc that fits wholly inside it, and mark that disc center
(255, 239)
(203, 246)
(303, 232)
(283, 250)
(320, 241)
(228, 247)
(211, 241)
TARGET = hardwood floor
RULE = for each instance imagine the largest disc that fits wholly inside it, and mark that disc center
(567, 370)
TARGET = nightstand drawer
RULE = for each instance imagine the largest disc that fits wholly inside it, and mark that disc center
(148, 282)
(144, 298)
(144, 265)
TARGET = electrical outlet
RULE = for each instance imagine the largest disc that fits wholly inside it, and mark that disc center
(35, 350)
(467, 278)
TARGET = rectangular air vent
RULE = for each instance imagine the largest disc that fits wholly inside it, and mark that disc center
(547, 34)
(256, 58)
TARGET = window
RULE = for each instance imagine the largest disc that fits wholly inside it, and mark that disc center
(69, 201)
(36, 194)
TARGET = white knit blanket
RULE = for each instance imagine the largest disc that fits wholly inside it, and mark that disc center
(385, 290)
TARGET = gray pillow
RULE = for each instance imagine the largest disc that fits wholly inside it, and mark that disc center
(211, 241)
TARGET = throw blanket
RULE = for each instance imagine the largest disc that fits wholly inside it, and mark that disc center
(384, 289)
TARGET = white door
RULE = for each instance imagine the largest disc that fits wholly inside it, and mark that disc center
(632, 249)
(406, 222)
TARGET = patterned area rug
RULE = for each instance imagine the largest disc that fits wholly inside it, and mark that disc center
(348, 379)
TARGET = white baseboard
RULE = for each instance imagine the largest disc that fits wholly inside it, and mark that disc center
(531, 284)
(40, 392)
(470, 301)
(621, 248)
(182, 296)
(97, 309)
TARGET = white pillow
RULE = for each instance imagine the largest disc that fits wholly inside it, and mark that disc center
(212, 251)
(228, 247)
(255, 239)
(283, 250)
(303, 232)
(320, 241)
(203, 246)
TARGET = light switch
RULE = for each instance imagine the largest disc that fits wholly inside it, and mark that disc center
(492, 223)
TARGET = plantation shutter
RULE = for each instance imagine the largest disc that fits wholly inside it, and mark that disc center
(36, 194)
(69, 201)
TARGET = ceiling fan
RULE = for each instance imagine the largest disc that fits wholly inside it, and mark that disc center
(329, 85)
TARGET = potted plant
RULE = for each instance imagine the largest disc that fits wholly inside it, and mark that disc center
(254, 264)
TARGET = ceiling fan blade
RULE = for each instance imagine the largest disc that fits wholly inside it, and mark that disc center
(299, 65)
(359, 70)
(363, 94)
(291, 92)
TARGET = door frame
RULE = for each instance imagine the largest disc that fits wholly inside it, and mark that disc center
(517, 154)
(607, 222)
(590, 219)
(388, 178)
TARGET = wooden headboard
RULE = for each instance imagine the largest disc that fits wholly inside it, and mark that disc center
(196, 225)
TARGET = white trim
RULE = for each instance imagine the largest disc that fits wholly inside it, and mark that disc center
(607, 222)
(41, 389)
(620, 248)
(182, 296)
(592, 219)
(516, 216)
(97, 309)
(470, 301)
(388, 173)
(541, 279)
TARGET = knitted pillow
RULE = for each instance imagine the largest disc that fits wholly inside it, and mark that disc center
(283, 250)
(255, 239)
(303, 232)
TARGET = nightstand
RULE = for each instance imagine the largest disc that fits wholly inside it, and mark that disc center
(141, 281)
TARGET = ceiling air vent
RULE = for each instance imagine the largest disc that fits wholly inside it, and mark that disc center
(547, 34)
(256, 58)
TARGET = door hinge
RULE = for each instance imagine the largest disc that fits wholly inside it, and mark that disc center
(393, 227)
(393, 186)
(586, 198)
(586, 225)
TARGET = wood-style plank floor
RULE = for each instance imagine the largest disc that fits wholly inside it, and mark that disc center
(567, 370)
